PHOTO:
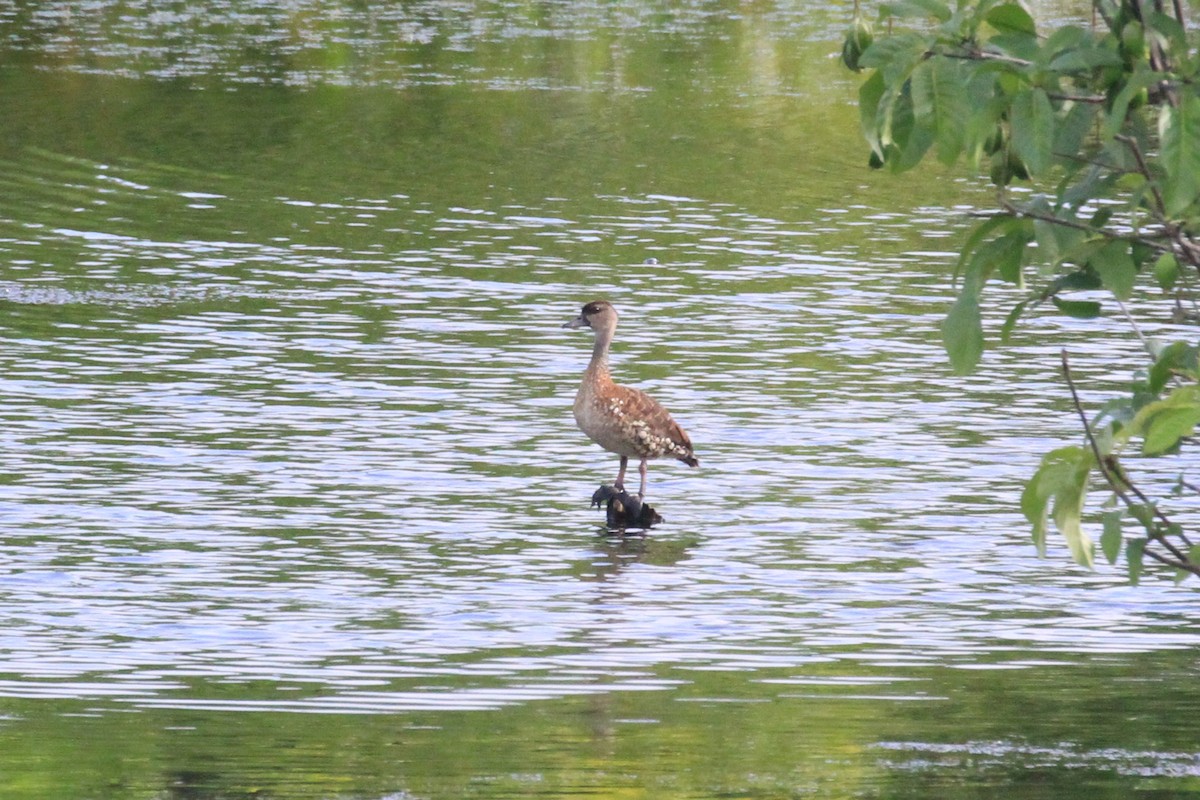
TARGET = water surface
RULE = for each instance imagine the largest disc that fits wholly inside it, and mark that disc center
(293, 504)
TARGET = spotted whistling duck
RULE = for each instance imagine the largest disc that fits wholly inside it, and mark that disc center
(621, 419)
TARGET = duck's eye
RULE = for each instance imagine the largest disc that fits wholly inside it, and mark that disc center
(591, 308)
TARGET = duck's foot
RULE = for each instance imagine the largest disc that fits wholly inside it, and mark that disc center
(624, 510)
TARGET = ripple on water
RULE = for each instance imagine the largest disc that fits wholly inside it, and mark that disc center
(352, 478)
(980, 756)
(492, 44)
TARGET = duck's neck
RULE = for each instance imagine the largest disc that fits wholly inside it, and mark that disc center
(598, 367)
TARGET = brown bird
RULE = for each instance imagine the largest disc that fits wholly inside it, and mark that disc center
(621, 419)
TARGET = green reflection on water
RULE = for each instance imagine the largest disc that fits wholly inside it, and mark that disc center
(733, 107)
(1037, 733)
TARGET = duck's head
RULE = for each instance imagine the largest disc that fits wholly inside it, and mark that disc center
(596, 315)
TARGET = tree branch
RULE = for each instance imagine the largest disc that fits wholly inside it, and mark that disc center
(1095, 99)
(1146, 345)
(1014, 209)
(975, 54)
(1122, 487)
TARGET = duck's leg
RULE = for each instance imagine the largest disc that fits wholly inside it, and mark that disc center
(619, 483)
(642, 472)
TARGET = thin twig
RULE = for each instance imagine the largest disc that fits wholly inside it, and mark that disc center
(1144, 169)
(1133, 324)
(976, 54)
(1095, 99)
(1170, 562)
(1014, 209)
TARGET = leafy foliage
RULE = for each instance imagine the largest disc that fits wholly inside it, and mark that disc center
(1102, 121)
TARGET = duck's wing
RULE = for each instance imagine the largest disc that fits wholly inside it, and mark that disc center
(652, 427)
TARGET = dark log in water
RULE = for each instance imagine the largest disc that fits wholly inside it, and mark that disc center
(624, 510)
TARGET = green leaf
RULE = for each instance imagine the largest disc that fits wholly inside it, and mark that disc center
(1179, 132)
(1177, 357)
(1011, 18)
(1079, 309)
(1165, 428)
(905, 138)
(1004, 255)
(857, 40)
(894, 56)
(962, 332)
(1141, 253)
(1035, 499)
(1134, 86)
(1033, 129)
(1010, 321)
(940, 103)
(1144, 514)
(1101, 217)
(1110, 539)
(870, 96)
(1166, 271)
(1008, 253)
(1014, 45)
(1105, 434)
(1075, 126)
(1062, 40)
(1060, 484)
(1115, 267)
(983, 133)
(1005, 223)
(1193, 557)
(1068, 513)
(1085, 58)
(1164, 422)
(1083, 280)
(1133, 558)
